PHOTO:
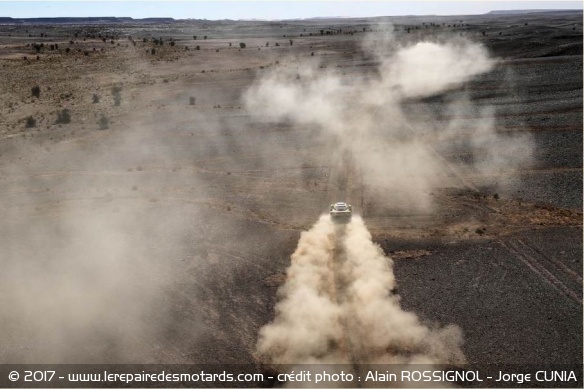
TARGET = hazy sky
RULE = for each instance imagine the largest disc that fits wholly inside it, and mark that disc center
(265, 9)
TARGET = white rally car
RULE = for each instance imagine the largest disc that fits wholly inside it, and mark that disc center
(341, 211)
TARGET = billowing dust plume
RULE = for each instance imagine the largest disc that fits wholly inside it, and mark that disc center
(338, 306)
(93, 242)
(382, 116)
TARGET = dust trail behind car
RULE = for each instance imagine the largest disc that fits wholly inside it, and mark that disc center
(337, 307)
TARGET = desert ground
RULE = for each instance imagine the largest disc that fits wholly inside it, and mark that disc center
(149, 212)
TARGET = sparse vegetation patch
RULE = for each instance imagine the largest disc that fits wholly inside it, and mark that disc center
(30, 122)
(63, 117)
(36, 91)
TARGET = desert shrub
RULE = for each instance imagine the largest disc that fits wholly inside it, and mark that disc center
(312, 54)
(277, 44)
(197, 47)
(67, 50)
(267, 44)
(30, 122)
(172, 44)
(205, 37)
(152, 51)
(36, 91)
(63, 117)
(192, 100)
(117, 93)
(103, 122)
(95, 98)
(242, 45)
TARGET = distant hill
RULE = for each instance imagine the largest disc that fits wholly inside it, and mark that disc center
(529, 11)
(86, 20)
(129, 20)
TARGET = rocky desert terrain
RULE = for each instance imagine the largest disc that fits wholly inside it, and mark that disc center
(152, 190)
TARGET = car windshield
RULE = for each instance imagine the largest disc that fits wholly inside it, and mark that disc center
(341, 207)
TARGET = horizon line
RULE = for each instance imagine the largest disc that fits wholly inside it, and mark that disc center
(527, 10)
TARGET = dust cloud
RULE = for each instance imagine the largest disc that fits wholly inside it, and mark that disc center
(91, 242)
(338, 307)
(307, 327)
(372, 116)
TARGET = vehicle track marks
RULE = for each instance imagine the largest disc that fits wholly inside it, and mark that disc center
(537, 263)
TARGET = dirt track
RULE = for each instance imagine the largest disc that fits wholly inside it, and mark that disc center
(199, 206)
